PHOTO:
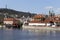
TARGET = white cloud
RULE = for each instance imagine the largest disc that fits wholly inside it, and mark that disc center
(48, 7)
(57, 10)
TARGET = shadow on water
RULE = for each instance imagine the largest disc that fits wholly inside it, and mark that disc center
(18, 26)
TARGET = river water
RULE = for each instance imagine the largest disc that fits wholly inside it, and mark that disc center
(17, 34)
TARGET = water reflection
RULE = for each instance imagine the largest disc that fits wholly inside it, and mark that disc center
(16, 34)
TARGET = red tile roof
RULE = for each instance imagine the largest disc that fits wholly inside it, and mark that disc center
(39, 16)
(9, 19)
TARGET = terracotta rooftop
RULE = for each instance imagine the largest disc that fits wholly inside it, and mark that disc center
(39, 16)
(53, 19)
(47, 20)
(9, 19)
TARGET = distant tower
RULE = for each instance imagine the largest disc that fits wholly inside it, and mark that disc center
(6, 6)
(51, 13)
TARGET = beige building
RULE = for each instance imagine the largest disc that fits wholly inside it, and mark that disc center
(9, 21)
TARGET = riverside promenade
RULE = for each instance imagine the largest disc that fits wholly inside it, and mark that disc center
(41, 28)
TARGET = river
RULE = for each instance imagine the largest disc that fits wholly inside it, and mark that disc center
(17, 34)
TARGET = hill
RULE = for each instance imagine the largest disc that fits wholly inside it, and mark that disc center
(14, 13)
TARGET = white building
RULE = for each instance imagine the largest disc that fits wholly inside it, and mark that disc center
(10, 21)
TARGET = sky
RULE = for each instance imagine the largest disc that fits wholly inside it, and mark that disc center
(33, 6)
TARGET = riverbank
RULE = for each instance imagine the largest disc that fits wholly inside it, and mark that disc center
(41, 28)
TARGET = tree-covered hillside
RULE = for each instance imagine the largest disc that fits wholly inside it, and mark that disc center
(13, 13)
